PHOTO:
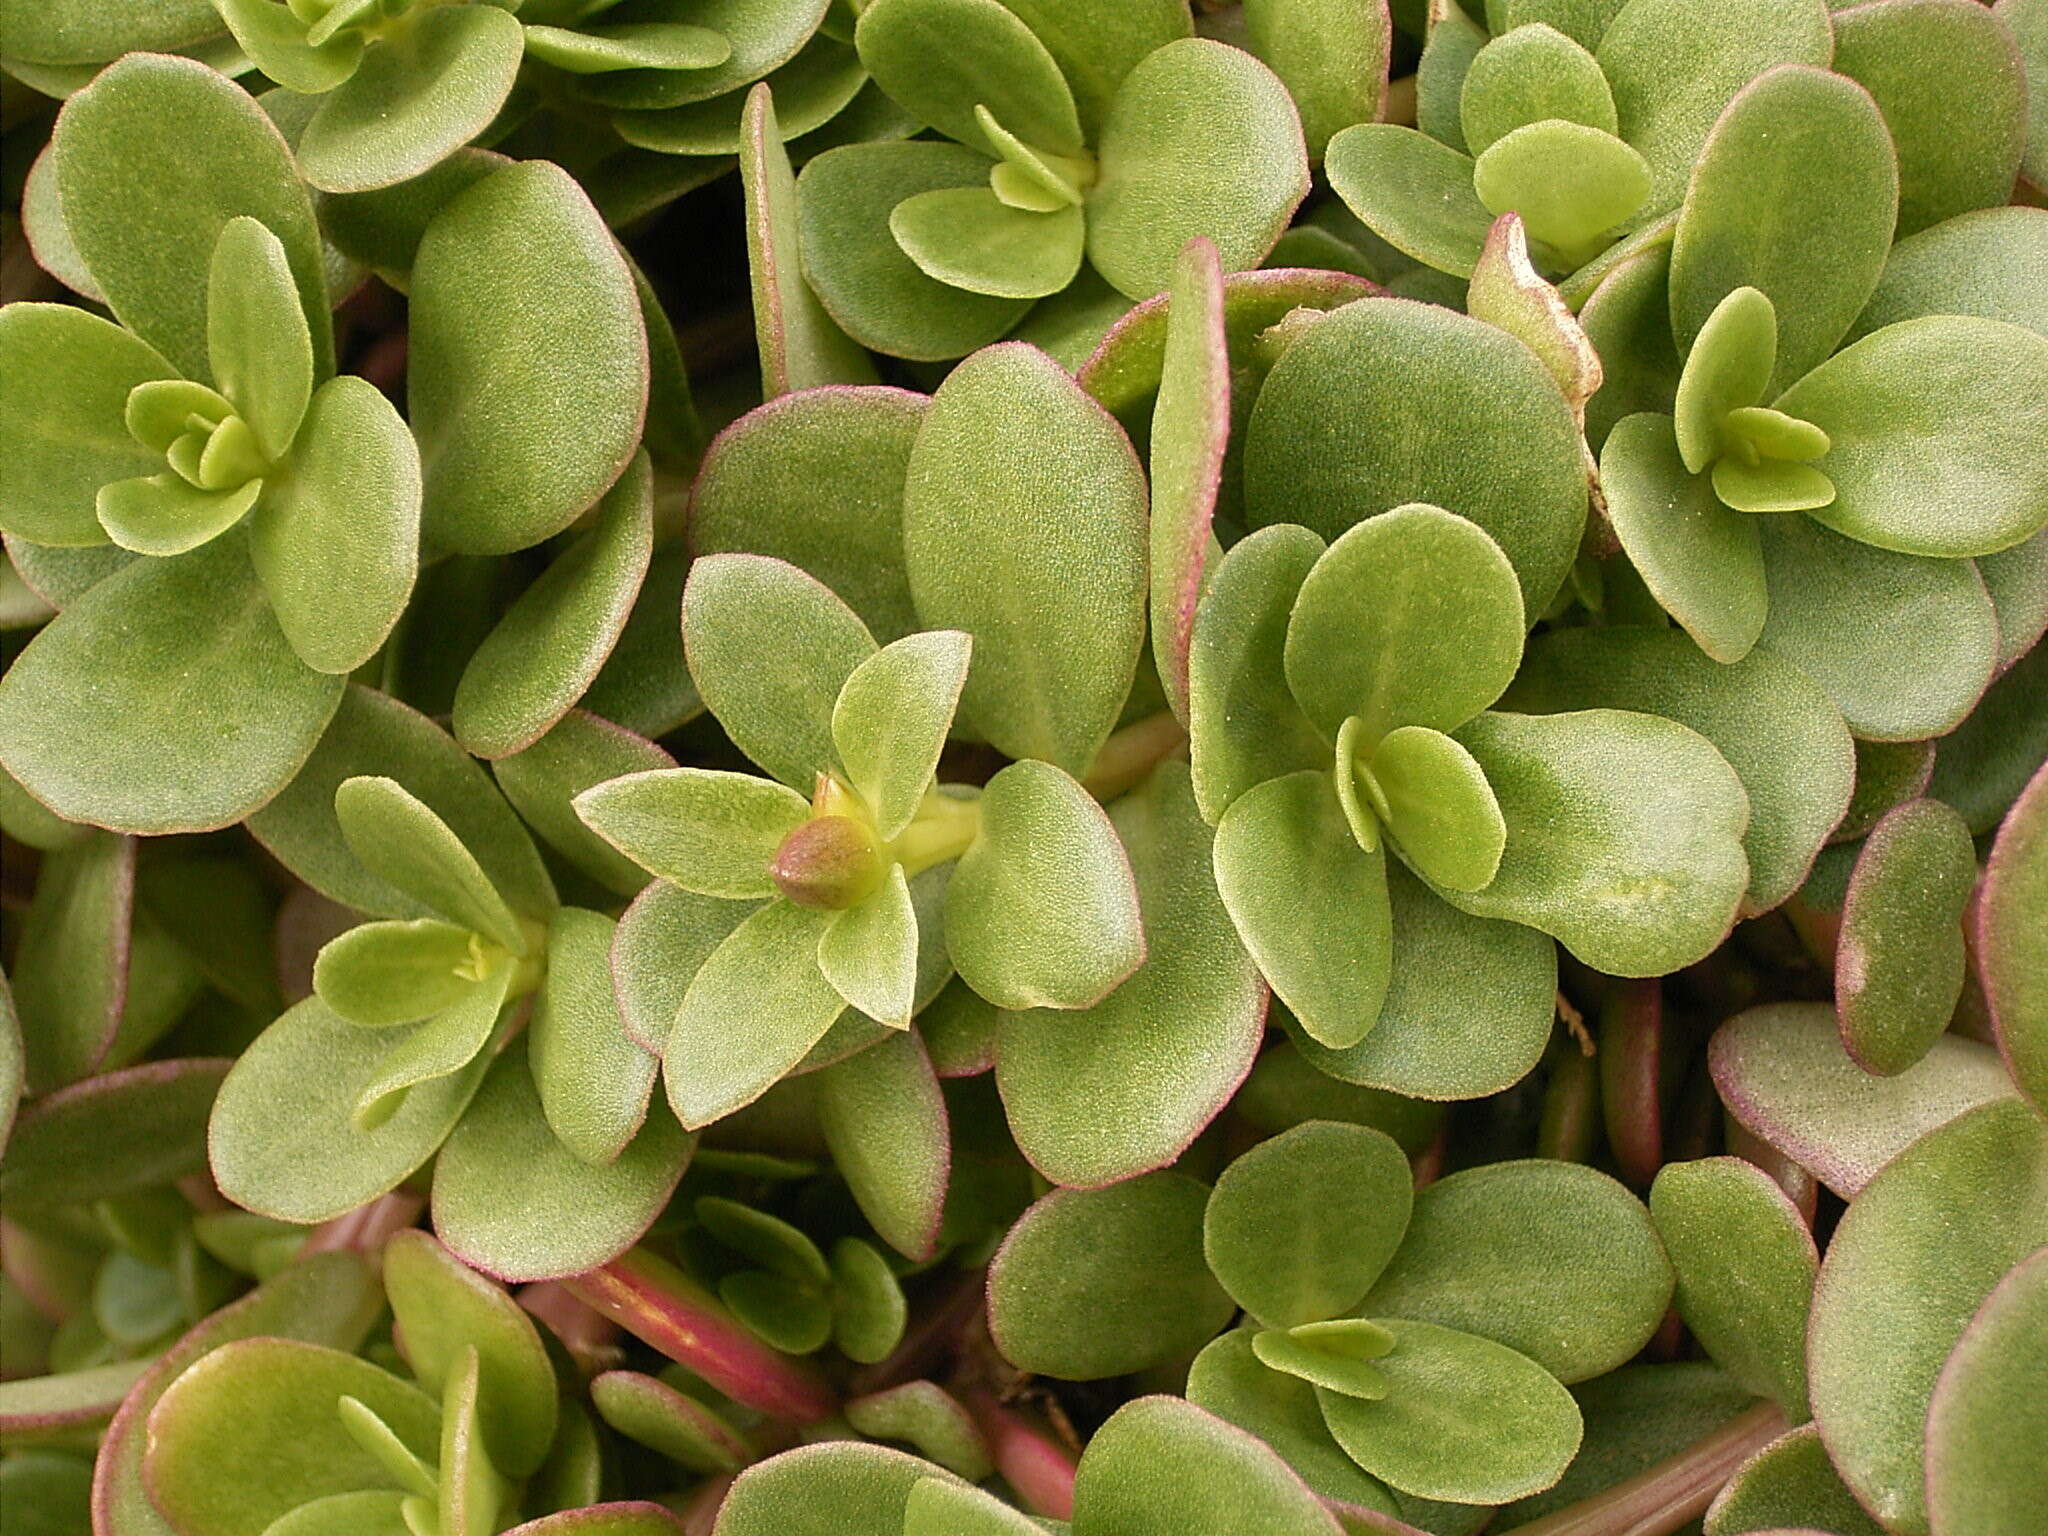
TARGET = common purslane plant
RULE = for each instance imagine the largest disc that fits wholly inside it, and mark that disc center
(965, 767)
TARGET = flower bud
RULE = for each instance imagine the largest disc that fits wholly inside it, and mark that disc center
(830, 862)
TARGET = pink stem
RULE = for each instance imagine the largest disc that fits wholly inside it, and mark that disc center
(368, 1227)
(700, 1514)
(591, 1338)
(1031, 1461)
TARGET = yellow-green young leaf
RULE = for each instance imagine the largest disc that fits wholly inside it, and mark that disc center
(1308, 903)
(166, 699)
(770, 648)
(434, 1048)
(1813, 144)
(1934, 425)
(1163, 1467)
(1746, 1265)
(1409, 618)
(418, 95)
(942, 58)
(1552, 1259)
(335, 538)
(1101, 1282)
(1332, 57)
(71, 964)
(278, 43)
(1914, 1257)
(1385, 402)
(1829, 594)
(2012, 954)
(257, 341)
(1573, 186)
(516, 271)
(1918, 60)
(1298, 1228)
(511, 1200)
(396, 972)
(1412, 191)
(885, 1122)
(250, 1431)
(1436, 803)
(966, 237)
(1728, 367)
(1900, 960)
(399, 838)
(1085, 1094)
(1526, 75)
(375, 735)
(1019, 483)
(1987, 1412)
(1654, 872)
(169, 147)
(543, 781)
(1336, 1355)
(704, 829)
(1674, 64)
(549, 645)
(754, 1007)
(1042, 909)
(445, 1310)
(1201, 139)
(800, 346)
(869, 953)
(891, 719)
(1789, 1485)
(593, 1079)
(166, 514)
(1464, 1419)
(64, 438)
(281, 1140)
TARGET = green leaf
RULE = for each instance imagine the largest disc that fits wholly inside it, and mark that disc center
(955, 1509)
(1674, 64)
(1524, 76)
(1830, 594)
(1789, 1479)
(1042, 910)
(966, 238)
(628, 45)
(1095, 49)
(762, 38)
(1974, 264)
(1799, 139)
(547, 649)
(868, 953)
(1899, 962)
(704, 829)
(885, 1122)
(1437, 804)
(527, 376)
(1464, 1419)
(940, 59)
(665, 1420)
(1201, 139)
(1917, 61)
(444, 1311)
(281, 1141)
(1746, 1264)
(1384, 402)
(166, 515)
(758, 1003)
(891, 719)
(1309, 904)
(113, 1135)
(382, 229)
(1245, 724)
(102, 719)
(417, 96)
(592, 1078)
(1775, 727)
(816, 479)
(1911, 1261)
(1552, 1259)
(1375, 632)
(335, 539)
(1932, 424)
(1298, 1228)
(543, 781)
(2012, 957)
(1412, 191)
(61, 442)
(257, 341)
(375, 735)
(168, 146)
(1007, 436)
(1102, 1282)
(836, 1488)
(399, 839)
(1332, 56)
(800, 347)
(1163, 1467)
(1985, 1411)
(512, 1200)
(1649, 876)
(277, 42)
(1727, 367)
(1573, 186)
(1783, 1073)
(1126, 1086)
(398, 972)
(71, 965)
(1469, 1006)
(866, 282)
(434, 1048)
(1335, 1355)
(770, 648)
(664, 938)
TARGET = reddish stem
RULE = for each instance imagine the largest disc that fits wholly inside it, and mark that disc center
(659, 1304)
(368, 1227)
(1030, 1460)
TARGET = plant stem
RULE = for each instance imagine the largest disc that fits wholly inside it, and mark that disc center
(1131, 753)
(1662, 1498)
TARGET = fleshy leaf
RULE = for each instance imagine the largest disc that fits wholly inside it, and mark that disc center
(1574, 186)
(1331, 55)
(74, 958)
(891, 719)
(433, 1048)
(1413, 192)
(399, 838)
(1899, 962)
(257, 341)
(1163, 1467)
(869, 953)
(165, 515)
(1437, 804)
(112, 1135)
(395, 972)
(940, 59)
(1986, 1411)
(1526, 75)
(543, 780)
(593, 1080)
(967, 237)
(2011, 953)
(1727, 367)
(1791, 1479)
(1334, 1356)
(884, 1119)
(704, 829)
